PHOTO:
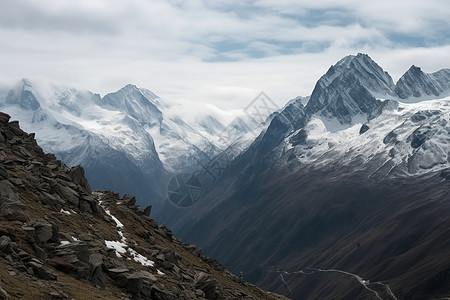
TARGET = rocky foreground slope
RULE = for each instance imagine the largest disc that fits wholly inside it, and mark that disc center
(60, 240)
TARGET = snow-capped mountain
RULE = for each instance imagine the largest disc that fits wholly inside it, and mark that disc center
(341, 183)
(130, 140)
(357, 116)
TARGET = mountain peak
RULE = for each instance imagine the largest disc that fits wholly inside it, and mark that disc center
(417, 84)
(135, 102)
(415, 69)
(130, 87)
(350, 88)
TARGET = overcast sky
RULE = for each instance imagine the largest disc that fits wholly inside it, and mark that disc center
(221, 52)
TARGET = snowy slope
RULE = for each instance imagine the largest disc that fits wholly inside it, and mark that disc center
(406, 139)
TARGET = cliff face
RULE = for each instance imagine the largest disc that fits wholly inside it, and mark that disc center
(60, 240)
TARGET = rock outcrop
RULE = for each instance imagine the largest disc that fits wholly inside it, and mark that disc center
(60, 240)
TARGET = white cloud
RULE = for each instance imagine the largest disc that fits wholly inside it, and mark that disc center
(176, 48)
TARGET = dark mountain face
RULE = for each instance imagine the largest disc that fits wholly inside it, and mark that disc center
(393, 231)
(328, 220)
(354, 213)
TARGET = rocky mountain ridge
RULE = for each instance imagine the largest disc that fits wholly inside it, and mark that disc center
(60, 240)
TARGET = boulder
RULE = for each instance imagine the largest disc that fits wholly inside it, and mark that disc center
(45, 232)
(70, 195)
(45, 274)
(38, 270)
(134, 283)
(147, 210)
(129, 200)
(4, 118)
(208, 285)
(77, 175)
(97, 277)
(5, 244)
(9, 199)
(170, 256)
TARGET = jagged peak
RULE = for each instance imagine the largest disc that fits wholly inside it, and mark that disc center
(135, 102)
(418, 85)
(414, 70)
(364, 67)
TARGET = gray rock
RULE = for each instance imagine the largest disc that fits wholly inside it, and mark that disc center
(170, 256)
(9, 199)
(117, 271)
(160, 294)
(85, 206)
(45, 274)
(147, 210)
(24, 256)
(39, 252)
(208, 285)
(30, 231)
(146, 291)
(4, 118)
(147, 277)
(134, 283)
(39, 270)
(97, 277)
(129, 200)
(70, 195)
(77, 175)
(44, 232)
(5, 244)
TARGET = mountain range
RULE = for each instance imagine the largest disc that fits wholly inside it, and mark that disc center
(354, 184)
(130, 141)
(342, 194)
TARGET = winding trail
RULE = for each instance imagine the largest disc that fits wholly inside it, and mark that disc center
(363, 282)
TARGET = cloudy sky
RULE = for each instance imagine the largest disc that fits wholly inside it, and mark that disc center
(221, 52)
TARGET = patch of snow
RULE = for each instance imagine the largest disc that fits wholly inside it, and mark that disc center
(64, 243)
(140, 258)
(160, 273)
(118, 223)
(120, 247)
(65, 212)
